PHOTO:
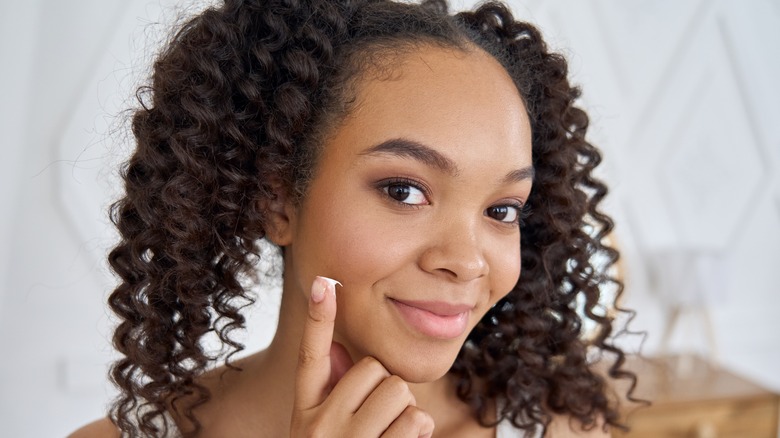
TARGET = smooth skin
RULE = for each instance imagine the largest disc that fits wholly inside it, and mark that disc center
(432, 218)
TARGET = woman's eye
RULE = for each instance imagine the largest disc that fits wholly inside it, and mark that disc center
(406, 193)
(504, 213)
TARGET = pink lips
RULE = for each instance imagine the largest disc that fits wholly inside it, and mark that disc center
(437, 319)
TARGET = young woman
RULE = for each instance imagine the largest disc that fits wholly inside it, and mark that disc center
(434, 165)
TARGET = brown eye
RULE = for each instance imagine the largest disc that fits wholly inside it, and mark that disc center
(398, 192)
(405, 193)
(504, 213)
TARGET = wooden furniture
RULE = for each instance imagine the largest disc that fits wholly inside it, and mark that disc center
(693, 399)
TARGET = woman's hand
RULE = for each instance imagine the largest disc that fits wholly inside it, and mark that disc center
(367, 401)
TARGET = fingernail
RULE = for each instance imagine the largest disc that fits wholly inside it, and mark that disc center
(317, 290)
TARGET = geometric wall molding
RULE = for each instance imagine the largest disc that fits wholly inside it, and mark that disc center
(707, 169)
(757, 68)
(643, 39)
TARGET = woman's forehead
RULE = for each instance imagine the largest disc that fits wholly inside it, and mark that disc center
(445, 98)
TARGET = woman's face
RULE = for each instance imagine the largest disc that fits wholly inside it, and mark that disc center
(414, 208)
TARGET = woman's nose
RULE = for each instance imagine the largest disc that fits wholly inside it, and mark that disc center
(455, 251)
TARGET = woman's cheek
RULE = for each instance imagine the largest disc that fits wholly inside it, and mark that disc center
(369, 245)
(504, 267)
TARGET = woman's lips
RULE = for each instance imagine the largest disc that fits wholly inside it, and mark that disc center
(437, 319)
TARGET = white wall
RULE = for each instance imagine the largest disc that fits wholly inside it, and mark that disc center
(684, 101)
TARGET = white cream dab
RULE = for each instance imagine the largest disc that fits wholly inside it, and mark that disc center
(332, 282)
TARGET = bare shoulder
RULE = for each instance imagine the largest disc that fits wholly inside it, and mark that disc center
(563, 426)
(102, 428)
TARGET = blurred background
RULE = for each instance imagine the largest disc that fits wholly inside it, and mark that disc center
(684, 101)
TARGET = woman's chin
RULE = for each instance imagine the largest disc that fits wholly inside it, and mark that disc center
(410, 359)
(417, 376)
(420, 368)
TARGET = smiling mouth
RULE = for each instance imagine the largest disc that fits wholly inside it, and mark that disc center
(435, 319)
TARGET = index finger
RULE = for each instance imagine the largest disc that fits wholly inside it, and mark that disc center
(312, 377)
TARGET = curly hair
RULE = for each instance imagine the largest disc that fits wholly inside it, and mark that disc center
(239, 101)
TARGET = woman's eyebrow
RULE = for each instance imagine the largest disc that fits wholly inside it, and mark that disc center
(403, 147)
(520, 175)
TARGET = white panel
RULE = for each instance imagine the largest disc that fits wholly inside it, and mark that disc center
(96, 137)
(16, 22)
(644, 36)
(697, 157)
(713, 166)
(749, 31)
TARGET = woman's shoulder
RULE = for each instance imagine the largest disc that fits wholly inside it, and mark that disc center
(561, 426)
(102, 428)
(218, 382)
(105, 428)
(564, 426)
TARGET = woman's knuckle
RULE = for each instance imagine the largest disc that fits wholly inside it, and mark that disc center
(396, 386)
(373, 365)
(418, 417)
(306, 356)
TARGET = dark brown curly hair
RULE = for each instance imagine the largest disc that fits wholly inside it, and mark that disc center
(239, 100)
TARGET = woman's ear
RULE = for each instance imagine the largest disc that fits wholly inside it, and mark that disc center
(280, 216)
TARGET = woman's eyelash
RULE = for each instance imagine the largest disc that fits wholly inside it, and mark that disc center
(523, 213)
(400, 190)
(399, 183)
(499, 213)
